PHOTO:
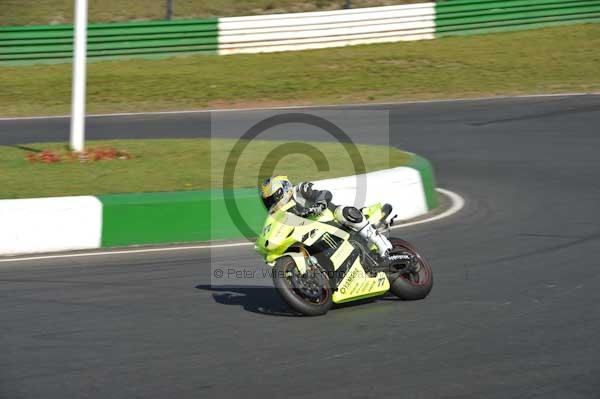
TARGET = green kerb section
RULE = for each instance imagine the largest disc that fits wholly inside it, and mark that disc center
(467, 17)
(428, 178)
(22, 45)
(175, 217)
(191, 216)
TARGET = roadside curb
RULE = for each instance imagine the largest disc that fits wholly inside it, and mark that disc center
(450, 204)
(41, 225)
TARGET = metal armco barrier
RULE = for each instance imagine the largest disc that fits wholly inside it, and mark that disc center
(285, 32)
(460, 17)
(288, 32)
(30, 44)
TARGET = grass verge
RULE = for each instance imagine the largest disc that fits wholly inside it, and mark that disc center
(174, 165)
(538, 61)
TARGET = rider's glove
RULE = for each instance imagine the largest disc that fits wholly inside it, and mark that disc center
(321, 206)
(305, 189)
(316, 209)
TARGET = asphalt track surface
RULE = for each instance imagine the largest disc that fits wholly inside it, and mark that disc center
(514, 313)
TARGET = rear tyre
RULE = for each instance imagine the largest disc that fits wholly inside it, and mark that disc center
(410, 282)
(309, 294)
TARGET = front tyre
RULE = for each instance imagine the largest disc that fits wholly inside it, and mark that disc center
(409, 280)
(309, 294)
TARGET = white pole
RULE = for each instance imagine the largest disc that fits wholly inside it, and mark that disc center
(79, 64)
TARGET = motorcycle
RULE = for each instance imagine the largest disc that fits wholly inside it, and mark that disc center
(317, 262)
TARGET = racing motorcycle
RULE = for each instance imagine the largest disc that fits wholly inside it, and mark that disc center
(317, 262)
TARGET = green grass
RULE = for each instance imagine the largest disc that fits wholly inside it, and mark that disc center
(19, 12)
(537, 61)
(173, 165)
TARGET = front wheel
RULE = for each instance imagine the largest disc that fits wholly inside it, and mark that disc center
(309, 294)
(412, 278)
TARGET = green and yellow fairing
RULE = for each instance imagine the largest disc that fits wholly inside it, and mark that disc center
(283, 229)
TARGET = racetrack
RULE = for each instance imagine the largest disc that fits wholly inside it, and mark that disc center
(514, 313)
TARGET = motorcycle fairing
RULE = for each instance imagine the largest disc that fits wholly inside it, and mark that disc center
(357, 284)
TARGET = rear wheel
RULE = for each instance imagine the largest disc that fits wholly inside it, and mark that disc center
(309, 294)
(411, 277)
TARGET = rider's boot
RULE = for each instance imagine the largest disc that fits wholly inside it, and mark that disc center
(372, 236)
(353, 218)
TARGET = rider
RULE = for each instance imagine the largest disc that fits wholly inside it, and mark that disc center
(278, 191)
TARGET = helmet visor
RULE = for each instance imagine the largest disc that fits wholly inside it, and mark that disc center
(273, 199)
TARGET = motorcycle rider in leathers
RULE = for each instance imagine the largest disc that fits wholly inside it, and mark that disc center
(277, 191)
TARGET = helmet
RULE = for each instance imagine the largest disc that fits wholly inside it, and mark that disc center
(275, 192)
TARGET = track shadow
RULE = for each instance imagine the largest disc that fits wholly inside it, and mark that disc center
(266, 301)
(252, 299)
